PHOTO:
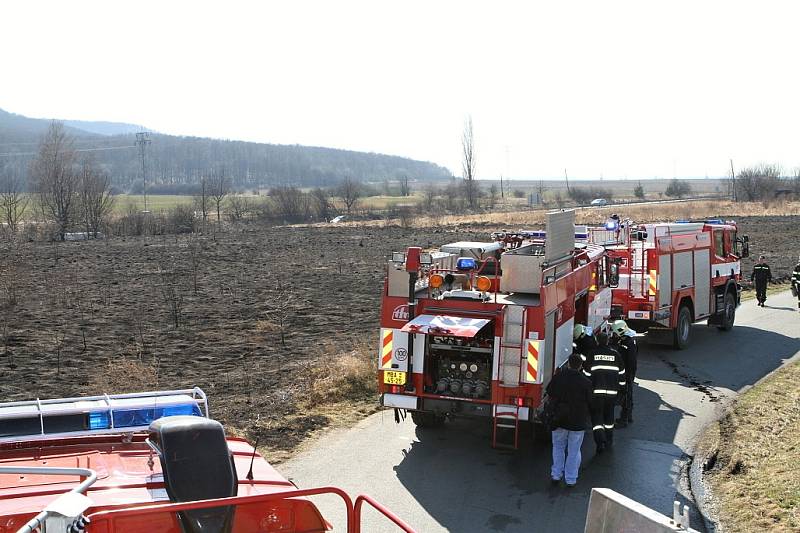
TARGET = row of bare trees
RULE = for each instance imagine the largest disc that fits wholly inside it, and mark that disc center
(67, 192)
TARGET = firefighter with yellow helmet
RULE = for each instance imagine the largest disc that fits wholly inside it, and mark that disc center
(605, 367)
(624, 341)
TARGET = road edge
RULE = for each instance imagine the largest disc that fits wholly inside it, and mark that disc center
(704, 453)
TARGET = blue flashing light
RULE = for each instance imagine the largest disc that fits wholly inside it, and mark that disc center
(611, 225)
(466, 263)
(143, 417)
(714, 221)
(100, 420)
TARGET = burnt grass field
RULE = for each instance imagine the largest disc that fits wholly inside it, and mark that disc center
(255, 315)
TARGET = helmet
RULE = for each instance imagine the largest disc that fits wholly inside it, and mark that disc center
(580, 330)
(620, 328)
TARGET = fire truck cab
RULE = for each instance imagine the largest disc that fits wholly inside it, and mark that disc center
(668, 275)
(478, 329)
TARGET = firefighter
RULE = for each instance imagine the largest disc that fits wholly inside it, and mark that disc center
(624, 342)
(605, 367)
(761, 275)
(571, 393)
(796, 282)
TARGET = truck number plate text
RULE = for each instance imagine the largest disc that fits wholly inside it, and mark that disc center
(392, 377)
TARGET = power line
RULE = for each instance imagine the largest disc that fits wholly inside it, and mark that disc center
(12, 154)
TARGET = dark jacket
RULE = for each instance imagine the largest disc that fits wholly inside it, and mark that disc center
(761, 274)
(605, 367)
(796, 274)
(571, 394)
(629, 350)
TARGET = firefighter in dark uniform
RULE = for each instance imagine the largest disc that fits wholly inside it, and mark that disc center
(761, 275)
(624, 342)
(605, 368)
(796, 282)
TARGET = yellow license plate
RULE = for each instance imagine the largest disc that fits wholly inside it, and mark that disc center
(392, 377)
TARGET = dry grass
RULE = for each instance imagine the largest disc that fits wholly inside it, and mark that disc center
(755, 477)
(652, 212)
(343, 374)
(639, 213)
(124, 374)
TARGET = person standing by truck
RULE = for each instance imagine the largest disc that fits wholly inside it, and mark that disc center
(571, 394)
(623, 340)
(605, 368)
(762, 276)
(796, 282)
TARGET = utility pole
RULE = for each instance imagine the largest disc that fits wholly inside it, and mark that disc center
(142, 140)
(733, 181)
(502, 194)
(567, 179)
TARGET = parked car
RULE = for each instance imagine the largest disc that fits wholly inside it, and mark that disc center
(599, 202)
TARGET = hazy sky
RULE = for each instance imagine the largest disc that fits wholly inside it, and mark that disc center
(618, 89)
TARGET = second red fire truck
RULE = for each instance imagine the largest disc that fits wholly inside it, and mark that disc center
(668, 275)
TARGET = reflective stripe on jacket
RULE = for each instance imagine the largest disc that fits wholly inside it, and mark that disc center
(606, 368)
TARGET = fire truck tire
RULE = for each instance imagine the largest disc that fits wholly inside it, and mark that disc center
(729, 314)
(427, 420)
(682, 328)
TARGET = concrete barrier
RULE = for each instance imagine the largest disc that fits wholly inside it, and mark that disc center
(611, 512)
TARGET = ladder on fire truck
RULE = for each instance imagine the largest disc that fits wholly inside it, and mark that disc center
(512, 355)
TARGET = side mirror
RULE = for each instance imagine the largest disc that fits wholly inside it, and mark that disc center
(613, 274)
(745, 241)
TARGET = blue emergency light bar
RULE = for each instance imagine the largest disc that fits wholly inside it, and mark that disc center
(542, 235)
(92, 415)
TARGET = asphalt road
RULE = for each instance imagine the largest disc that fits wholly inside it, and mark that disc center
(452, 480)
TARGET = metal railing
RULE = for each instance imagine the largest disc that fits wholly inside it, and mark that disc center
(90, 476)
(107, 520)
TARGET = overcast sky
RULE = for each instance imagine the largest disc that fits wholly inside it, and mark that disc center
(613, 89)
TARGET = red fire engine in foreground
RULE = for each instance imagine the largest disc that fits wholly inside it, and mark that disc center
(149, 462)
(668, 275)
(479, 328)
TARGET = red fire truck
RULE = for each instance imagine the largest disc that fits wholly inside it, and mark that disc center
(668, 275)
(478, 328)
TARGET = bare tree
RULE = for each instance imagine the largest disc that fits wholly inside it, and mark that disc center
(678, 188)
(468, 164)
(405, 187)
(493, 193)
(55, 178)
(220, 188)
(758, 182)
(238, 207)
(350, 192)
(291, 202)
(13, 200)
(172, 293)
(96, 201)
(321, 203)
(429, 194)
(202, 200)
(282, 308)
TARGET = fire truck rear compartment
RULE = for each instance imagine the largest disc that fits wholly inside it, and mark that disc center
(460, 367)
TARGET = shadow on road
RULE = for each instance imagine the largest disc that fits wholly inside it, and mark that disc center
(465, 485)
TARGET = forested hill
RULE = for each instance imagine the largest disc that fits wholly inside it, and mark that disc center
(176, 163)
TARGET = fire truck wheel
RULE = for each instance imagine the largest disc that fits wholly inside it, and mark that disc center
(729, 315)
(682, 328)
(427, 420)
